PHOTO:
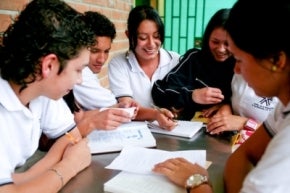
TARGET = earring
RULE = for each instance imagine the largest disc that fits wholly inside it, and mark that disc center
(274, 68)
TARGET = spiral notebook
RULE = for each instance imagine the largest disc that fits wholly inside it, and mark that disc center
(185, 129)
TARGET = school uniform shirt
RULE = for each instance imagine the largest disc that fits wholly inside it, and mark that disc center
(90, 94)
(175, 89)
(246, 103)
(271, 173)
(21, 127)
(127, 78)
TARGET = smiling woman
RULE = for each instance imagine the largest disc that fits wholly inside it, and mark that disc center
(133, 73)
(202, 79)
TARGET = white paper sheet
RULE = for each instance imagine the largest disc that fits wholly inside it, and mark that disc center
(142, 160)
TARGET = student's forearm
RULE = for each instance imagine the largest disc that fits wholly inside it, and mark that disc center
(148, 114)
(236, 169)
(203, 188)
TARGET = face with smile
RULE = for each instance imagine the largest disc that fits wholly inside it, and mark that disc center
(148, 40)
(99, 53)
(218, 44)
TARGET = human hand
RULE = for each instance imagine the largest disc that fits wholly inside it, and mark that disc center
(77, 156)
(207, 95)
(128, 103)
(111, 118)
(210, 111)
(108, 119)
(225, 122)
(165, 119)
(178, 170)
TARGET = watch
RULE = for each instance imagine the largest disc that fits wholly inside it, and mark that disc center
(251, 125)
(194, 181)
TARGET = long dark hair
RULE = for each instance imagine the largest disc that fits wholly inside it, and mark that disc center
(216, 21)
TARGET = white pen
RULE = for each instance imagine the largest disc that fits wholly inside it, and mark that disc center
(201, 82)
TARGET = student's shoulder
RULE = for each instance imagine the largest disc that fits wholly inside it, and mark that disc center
(191, 53)
(120, 56)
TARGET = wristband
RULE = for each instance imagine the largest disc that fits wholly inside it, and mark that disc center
(251, 125)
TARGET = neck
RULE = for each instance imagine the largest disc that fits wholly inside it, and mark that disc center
(24, 95)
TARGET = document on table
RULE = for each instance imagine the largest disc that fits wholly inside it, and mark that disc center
(128, 134)
(136, 164)
(142, 160)
(184, 128)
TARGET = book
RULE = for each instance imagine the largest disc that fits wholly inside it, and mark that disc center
(185, 129)
(240, 137)
(199, 117)
(135, 133)
(126, 182)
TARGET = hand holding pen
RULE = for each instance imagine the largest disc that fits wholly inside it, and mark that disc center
(207, 95)
(165, 118)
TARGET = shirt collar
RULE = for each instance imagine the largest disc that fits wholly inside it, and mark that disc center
(8, 98)
(165, 59)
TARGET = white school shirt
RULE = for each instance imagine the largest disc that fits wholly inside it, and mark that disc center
(20, 127)
(128, 79)
(271, 173)
(90, 94)
(246, 103)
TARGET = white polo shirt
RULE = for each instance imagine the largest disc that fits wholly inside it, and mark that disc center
(20, 127)
(90, 94)
(246, 103)
(271, 173)
(128, 79)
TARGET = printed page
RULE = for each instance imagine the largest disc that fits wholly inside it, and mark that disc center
(142, 160)
(128, 134)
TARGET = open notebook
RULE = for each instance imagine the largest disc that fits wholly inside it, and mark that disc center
(128, 134)
(184, 128)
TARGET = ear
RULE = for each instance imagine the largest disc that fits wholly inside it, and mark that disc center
(279, 61)
(49, 63)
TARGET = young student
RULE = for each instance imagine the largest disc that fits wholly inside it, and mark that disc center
(133, 73)
(259, 165)
(247, 111)
(202, 79)
(90, 96)
(41, 57)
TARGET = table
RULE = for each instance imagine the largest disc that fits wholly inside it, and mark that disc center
(217, 148)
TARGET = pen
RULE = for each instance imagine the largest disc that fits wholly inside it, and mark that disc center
(201, 82)
(71, 138)
(160, 110)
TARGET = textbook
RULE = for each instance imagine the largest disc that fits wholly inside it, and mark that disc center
(185, 129)
(135, 133)
(199, 117)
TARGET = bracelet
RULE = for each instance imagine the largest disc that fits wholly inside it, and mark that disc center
(58, 174)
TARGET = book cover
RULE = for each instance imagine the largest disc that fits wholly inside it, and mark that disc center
(128, 134)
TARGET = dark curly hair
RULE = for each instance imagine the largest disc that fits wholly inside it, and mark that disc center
(42, 28)
(100, 24)
(136, 16)
(102, 27)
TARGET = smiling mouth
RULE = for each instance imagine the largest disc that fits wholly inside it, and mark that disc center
(151, 51)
